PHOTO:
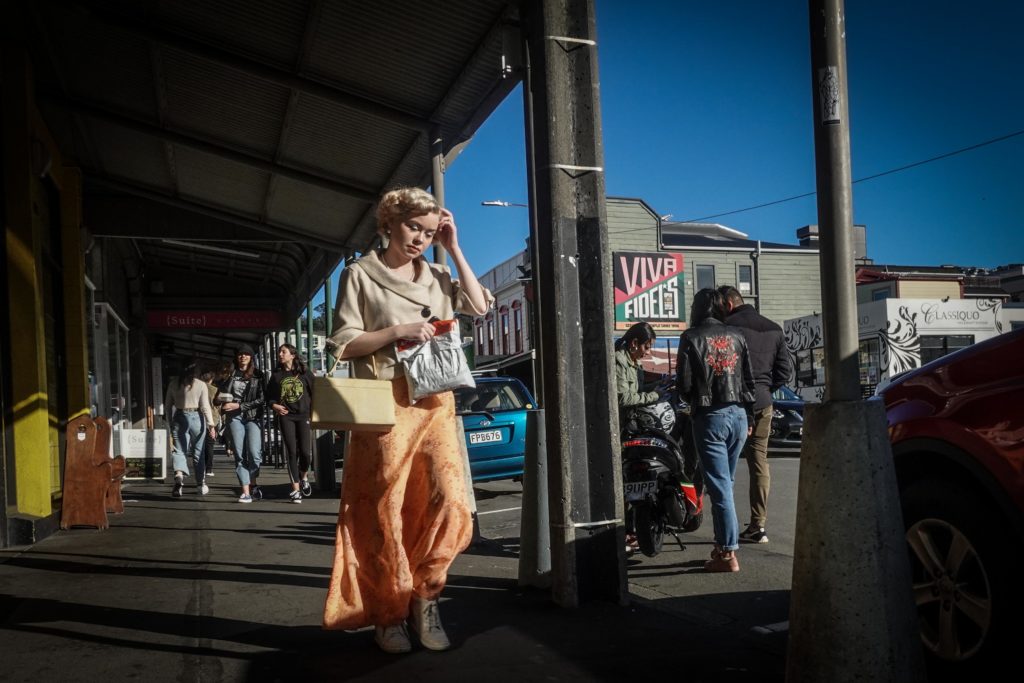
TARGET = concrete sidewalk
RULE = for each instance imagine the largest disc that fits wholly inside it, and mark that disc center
(204, 588)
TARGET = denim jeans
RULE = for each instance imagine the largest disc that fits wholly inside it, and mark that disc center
(720, 433)
(188, 432)
(247, 443)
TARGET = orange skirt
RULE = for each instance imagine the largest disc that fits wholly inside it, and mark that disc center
(404, 514)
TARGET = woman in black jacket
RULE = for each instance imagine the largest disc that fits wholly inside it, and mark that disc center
(290, 395)
(716, 378)
(241, 402)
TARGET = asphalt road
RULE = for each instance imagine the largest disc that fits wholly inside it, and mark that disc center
(754, 602)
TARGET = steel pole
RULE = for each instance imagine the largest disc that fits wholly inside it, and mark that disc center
(851, 605)
(835, 200)
(437, 181)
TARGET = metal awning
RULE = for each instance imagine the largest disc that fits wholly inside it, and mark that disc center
(239, 144)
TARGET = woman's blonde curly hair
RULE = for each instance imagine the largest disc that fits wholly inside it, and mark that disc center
(403, 203)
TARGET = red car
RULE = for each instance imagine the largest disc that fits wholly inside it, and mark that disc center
(957, 432)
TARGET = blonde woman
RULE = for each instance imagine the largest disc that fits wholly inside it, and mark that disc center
(404, 512)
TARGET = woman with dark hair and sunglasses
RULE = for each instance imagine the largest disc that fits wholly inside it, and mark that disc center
(241, 402)
(290, 394)
(715, 376)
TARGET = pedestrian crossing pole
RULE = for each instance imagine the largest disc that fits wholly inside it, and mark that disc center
(851, 611)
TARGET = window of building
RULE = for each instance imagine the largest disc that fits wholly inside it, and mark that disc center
(517, 325)
(879, 294)
(490, 334)
(937, 346)
(705, 277)
(810, 367)
(504, 342)
(745, 280)
(479, 325)
(870, 358)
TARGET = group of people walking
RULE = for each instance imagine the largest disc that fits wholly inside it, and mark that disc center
(232, 402)
(730, 360)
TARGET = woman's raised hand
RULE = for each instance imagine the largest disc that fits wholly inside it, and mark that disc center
(419, 332)
(447, 234)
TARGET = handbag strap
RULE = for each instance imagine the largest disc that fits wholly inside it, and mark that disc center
(373, 359)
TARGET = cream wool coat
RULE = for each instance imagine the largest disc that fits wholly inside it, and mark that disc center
(371, 297)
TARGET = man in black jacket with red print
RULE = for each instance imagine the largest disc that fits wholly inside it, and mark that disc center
(773, 367)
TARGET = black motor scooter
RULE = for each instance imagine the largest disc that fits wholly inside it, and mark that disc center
(661, 474)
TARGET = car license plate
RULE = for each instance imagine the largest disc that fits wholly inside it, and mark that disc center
(638, 490)
(492, 436)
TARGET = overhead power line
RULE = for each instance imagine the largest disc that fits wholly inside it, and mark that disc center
(865, 178)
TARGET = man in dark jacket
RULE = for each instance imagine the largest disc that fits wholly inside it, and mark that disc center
(773, 368)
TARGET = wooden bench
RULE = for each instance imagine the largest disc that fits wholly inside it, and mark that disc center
(92, 479)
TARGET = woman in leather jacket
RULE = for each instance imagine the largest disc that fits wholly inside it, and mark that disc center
(716, 378)
(241, 402)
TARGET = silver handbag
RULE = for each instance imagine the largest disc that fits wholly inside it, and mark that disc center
(436, 365)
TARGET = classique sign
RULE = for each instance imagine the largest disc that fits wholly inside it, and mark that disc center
(213, 320)
(649, 288)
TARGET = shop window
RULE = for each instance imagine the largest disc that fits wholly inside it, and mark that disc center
(937, 346)
(870, 360)
(110, 365)
(705, 277)
(810, 367)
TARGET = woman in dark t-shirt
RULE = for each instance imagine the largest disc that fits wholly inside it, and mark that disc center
(290, 395)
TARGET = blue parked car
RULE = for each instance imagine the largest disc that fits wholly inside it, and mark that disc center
(494, 416)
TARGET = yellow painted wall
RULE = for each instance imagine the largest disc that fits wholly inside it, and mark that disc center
(35, 439)
(30, 424)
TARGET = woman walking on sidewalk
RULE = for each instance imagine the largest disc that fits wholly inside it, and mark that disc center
(404, 504)
(241, 402)
(188, 403)
(715, 377)
(290, 395)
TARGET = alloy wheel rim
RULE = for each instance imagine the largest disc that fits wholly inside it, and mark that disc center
(951, 590)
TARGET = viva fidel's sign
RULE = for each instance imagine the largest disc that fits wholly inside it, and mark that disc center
(649, 288)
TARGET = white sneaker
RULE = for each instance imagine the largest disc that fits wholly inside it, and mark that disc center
(179, 484)
(203, 489)
(425, 621)
(245, 498)
(392, 639)
(295, 496)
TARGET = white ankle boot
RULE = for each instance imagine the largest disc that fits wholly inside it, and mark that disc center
(393, 639)
(425, 620)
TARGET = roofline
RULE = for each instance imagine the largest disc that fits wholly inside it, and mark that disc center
(777, 250)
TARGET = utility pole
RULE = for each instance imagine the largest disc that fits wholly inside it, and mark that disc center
(437, 182)
(851, 612)
(573, 280)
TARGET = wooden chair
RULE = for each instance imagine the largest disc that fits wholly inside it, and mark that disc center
(92, 479)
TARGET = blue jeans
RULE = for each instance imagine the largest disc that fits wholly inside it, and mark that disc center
(188, 432)
(720, 433)
(247, 443)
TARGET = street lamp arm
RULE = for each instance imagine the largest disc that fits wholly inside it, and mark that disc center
(499, 202)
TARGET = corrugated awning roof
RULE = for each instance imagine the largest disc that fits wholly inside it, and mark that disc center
(263, 128)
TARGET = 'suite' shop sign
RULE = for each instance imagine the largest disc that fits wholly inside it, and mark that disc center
(213, 320)
(649, 288)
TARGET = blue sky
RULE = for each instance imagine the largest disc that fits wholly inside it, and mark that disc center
(706, 109)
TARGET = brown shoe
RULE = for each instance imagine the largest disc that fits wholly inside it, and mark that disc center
(724, 562)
